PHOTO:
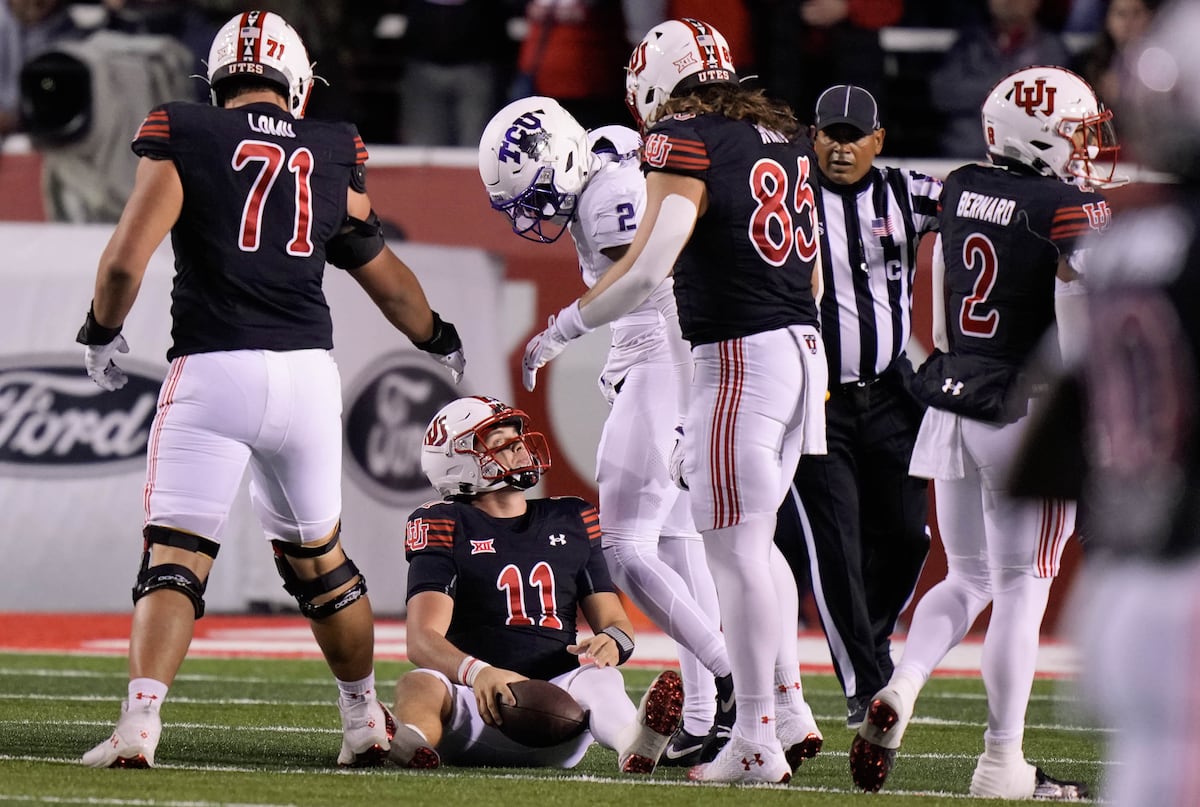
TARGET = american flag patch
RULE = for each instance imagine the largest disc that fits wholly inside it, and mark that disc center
(882, 227)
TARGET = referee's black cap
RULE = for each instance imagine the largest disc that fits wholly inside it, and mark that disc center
(848, 104)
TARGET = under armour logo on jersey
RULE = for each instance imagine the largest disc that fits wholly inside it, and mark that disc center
(1098, 213)
(1030, 98)
(482, 547)
(558, 540)
(952, 387)
(810, 342)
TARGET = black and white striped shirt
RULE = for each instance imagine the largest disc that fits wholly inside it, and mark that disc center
(869, 236)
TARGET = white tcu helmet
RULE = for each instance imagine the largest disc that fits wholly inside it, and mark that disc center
(1032, 115)
(455, 456)
(674, 56)
(261, 44)
(534, 162)
(1160, 89)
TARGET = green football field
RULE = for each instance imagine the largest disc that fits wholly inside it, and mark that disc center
(266, 732)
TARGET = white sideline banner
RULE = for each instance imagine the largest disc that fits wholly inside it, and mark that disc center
(72, 457)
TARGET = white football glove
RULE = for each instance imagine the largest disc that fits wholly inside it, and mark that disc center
(98, 359)
(456, 362)
(560, 329)
(675, 464)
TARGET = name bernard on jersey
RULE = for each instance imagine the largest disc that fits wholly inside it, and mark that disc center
(387, 410)
(992, 209)
(54, 421)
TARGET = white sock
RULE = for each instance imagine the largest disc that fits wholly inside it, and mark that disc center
(740, 560)
(146, 693)
(356, 691)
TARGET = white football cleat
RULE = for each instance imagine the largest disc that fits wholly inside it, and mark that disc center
(411, 749)
(132, 743)
(658, 717)
(996, 778)
(798, 734)
(873, 752)
(745, 762)
(367, 731)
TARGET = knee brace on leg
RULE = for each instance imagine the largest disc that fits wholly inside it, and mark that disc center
(173, 575)
(307, 591)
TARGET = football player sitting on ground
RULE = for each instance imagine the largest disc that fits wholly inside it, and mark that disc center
(494, 584)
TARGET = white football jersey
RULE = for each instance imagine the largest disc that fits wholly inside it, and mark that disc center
(607, 215)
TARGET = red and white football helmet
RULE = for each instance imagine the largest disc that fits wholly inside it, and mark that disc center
(674, 56)
(1032, 116)
(534, 162)
(455, 456)
(262, 44)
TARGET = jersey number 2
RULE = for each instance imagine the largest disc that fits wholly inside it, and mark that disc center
(542, 578)
(273, 158)
(974, 317)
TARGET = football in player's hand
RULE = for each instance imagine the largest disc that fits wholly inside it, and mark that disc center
(544, 714)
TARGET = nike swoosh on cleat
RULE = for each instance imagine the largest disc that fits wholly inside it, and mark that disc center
(676, 753)
(726, 705)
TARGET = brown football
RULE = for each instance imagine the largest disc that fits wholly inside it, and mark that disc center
(544, 715)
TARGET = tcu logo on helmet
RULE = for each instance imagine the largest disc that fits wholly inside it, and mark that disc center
(1030, 98)
(656, 149)
(1099, 214)
(528, 137)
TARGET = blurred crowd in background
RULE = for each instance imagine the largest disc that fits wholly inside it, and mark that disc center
(431, 72)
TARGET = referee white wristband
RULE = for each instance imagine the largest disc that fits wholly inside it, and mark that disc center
(469, 669)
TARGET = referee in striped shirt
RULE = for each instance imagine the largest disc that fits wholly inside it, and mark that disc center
(856, 520)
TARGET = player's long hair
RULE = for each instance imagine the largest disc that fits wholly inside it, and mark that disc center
(736, 103)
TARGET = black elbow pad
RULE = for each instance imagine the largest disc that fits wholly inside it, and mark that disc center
(356, 243)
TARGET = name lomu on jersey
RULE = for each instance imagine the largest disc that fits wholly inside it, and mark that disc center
(265, 124)
(992, 209)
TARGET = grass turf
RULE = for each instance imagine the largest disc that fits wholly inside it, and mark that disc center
(266, 732)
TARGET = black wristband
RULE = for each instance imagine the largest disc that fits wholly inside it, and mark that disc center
(444, 340)
(93, 333)
(623, 640)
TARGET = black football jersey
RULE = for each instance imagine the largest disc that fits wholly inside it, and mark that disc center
(263, 192)
(516, 582)
(1002, 235)
(748, 265)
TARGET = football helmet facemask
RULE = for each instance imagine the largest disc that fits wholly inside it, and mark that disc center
(674, 57)
(261, 44)
(534, 162)
(455, 455)
(1049, 119)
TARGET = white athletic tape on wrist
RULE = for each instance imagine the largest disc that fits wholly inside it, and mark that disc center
(469, 669)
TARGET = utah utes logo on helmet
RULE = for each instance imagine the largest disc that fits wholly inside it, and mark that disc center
(1030, 98)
